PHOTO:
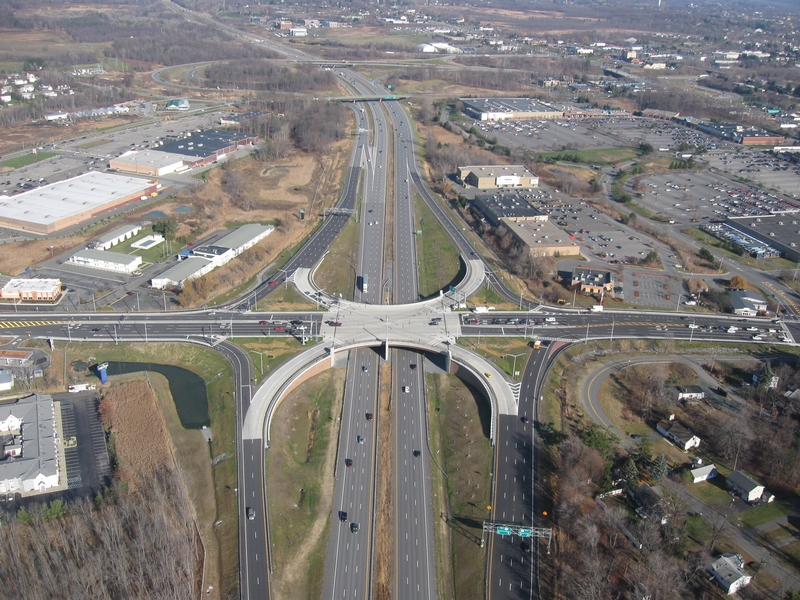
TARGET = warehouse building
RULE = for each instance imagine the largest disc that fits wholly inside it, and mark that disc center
(28, 436)
(149, 162)
(542, 238)
(106, 261)
(41, 290)
(202, 148)
(203, 259)
(112, 238)
(496, 207)
(493, 177)
(70, 202)
(503, 109)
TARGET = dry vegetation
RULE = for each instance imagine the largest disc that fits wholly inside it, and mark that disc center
(106, 549)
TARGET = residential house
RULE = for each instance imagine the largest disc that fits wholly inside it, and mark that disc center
(678, 434)
(690, 392)
(745, 486)
(728, 571)
(651, 503)
(703, 472)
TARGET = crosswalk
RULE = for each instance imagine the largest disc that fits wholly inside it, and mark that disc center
(18, 324)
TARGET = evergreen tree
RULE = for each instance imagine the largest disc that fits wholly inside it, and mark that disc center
(659, 470)
(630, 474)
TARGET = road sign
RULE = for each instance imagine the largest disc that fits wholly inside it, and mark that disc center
(524, 532)
(504, 530)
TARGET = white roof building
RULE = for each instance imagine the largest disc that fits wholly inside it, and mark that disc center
(112, 238)
(31, 289)
(149, 162)
(186, 270)
(31, 461)
(728, 571)
(106, 261)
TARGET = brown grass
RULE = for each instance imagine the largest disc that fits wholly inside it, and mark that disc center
(142, 444)
(383, 564)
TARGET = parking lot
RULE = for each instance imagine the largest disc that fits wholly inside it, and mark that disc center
(762, 166)
(688, 197)
(597, 132)
(652, 289)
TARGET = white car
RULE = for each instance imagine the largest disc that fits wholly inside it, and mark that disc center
(406, 389)
(694, 326)
(757, 337)
(752, 329)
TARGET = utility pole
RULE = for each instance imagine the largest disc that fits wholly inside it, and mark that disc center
(514, 368)
(612, 328)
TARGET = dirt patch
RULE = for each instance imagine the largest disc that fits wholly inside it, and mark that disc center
(13, 138)
(383, 571)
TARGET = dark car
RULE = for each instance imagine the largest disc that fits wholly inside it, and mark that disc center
(525, 419)
(412, 366)
(95, 329)
(417, 453)
(342, 516)
(369, 416)
(348, 462)
(354, 527)
(636, 436)
(336, 324)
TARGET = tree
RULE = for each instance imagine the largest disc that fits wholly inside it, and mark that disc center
(598, 438)
(645, 147)
(706, 255)
(659, 470)
(630, 474)
(738, 282)
(166, 227)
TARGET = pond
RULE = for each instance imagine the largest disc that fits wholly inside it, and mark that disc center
(188, 390)
(183, 209)
(157, 214)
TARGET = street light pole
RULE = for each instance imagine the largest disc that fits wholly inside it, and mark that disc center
(514, 368)
(612, 328)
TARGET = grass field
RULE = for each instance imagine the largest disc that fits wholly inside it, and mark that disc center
(597, 156)
(25, 160)
(335, 275)
(711, 492)
(437, 255)
(764, 514)
(487, 296)
(501, 351)
(459, 426)
(284, 299)
(267, 353)
(300, 472)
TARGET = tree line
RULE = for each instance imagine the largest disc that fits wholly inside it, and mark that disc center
(263, 75)
(123, 545)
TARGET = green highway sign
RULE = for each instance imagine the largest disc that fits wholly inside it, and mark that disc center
(504, 530)
(523, 532)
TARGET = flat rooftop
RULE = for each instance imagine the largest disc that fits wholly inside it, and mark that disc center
(106, 256)
(499, 170)
(69, 198)
(508, 105)
(203, 143)
(156, 159)
(184, 269)
(34, 285)
(118, 232)
(501, 205)
(540, 234)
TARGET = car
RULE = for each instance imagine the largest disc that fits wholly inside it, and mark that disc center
(137, 273)
(263, 322)
(272, 283)
(95, 329)
(336, 324)
(636, 436)
(525, 419)
(489, 375)
(343, 516)
(360, 439)
(412, 366)
(406, 389)
(365, 368)
(354, 527)
(417, 453)
(369, 417)
(279, 329)
(693, 326)
(752, 329)
(251, 514)
(348, 462)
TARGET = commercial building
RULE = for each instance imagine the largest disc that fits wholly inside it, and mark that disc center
(728, 571)
(541, 238)
(112, 238)
(494, 208)
(148, 162)
(36, 290)
(57, 206)
(679, 435)
(106, 261)
(497, 176)
(746, 136)
(501, 109)
(592, 281)
(28, 459)
(747, 303)
(205, 147)
(203, 259)
(181, 273)
(777, 235)
(181, 104)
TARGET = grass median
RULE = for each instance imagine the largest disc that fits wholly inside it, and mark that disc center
(437, 254)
